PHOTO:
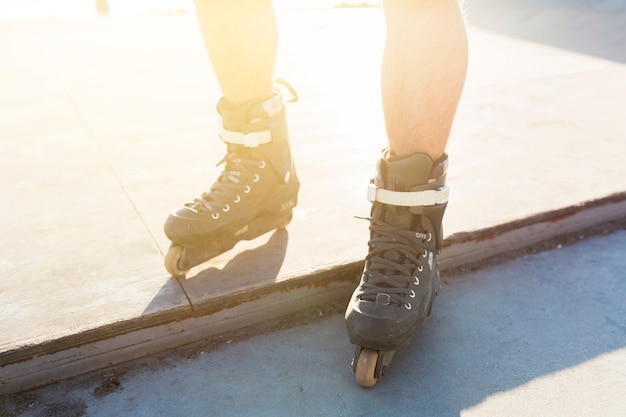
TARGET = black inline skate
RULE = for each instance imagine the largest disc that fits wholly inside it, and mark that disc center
(400, 278)
(255, 193)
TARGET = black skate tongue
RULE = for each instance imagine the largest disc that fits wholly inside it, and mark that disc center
(243, 117)
(401, 174)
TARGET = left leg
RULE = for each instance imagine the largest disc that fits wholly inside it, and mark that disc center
(258, 188)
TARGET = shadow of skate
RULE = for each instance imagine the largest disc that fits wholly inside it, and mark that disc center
(248, 270)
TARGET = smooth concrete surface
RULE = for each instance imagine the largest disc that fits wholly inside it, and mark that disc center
(106, 124)
(542, 335)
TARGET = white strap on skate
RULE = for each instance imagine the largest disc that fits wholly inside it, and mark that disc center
(249, 140)
(408, 198)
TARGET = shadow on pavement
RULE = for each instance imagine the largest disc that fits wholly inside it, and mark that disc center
(596, 28)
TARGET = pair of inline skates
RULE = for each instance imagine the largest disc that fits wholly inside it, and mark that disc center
(256, 193)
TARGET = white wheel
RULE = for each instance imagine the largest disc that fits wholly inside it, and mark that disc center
(171, 261)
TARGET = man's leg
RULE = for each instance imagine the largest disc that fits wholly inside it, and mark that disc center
(423, 72)
(241, 38)
(258, 188)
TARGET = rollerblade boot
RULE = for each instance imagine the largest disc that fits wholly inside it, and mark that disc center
(400, 278)
(255, 193)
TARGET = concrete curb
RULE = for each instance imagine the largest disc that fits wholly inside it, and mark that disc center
(235, 315)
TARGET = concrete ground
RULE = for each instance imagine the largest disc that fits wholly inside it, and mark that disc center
(544, 334)
(107, 123)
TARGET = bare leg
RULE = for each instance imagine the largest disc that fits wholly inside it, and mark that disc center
(423, 73)
(241, 37)
(258, 187)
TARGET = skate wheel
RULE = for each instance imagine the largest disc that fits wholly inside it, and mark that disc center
(171, 261)
(366, 368)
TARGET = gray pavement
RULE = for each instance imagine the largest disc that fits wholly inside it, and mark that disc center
(542, 335)
(107, 123)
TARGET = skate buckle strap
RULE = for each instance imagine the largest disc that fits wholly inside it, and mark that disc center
(408, 198)
(249, 140)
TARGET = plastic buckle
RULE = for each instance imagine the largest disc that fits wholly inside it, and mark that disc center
(251, 140)
(371, 192)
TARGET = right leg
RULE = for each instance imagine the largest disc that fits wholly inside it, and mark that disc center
(258, 188)
(423, 72)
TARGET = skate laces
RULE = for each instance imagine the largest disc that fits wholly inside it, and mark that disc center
(240, 165)
(392, 275)
(231, 185)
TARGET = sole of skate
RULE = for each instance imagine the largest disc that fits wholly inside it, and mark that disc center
(181, 258)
